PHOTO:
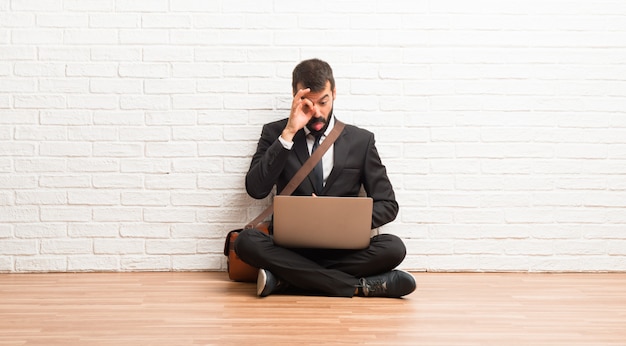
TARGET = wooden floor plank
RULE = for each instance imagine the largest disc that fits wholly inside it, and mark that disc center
(199, 308)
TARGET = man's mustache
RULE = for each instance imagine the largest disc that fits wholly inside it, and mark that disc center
(316, 120)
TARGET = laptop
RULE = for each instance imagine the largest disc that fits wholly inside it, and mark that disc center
(337, 222)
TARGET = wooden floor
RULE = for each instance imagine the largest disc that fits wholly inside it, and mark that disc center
(206, 309)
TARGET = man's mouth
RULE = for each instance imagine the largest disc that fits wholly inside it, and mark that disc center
(317, 126)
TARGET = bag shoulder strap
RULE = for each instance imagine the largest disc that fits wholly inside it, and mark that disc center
(306, 168)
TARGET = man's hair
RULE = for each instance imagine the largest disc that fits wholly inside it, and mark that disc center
(313, 74)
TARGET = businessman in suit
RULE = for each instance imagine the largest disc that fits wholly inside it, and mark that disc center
(350, 163)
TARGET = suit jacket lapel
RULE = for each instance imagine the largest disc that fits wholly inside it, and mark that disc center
(302, 152)
(299, 145)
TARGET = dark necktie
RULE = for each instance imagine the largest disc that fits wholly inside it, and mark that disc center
(318, 171)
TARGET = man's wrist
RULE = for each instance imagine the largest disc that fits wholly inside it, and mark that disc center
(287, 135)
(286, 144)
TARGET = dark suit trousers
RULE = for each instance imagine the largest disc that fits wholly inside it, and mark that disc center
(322, 271)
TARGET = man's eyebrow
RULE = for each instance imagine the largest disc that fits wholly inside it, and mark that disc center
(319, 99)
(323, 97)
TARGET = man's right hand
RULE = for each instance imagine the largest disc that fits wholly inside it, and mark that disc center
(302, 110)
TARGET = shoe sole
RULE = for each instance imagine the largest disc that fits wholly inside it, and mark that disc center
(261, 281)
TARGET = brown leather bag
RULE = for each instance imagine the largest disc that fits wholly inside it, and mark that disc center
(237, 269)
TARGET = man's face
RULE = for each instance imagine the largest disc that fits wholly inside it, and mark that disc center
(321, 109)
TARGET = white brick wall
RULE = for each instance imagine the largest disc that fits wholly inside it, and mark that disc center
(126, 126)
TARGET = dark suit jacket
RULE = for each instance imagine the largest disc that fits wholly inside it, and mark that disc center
(356, 163)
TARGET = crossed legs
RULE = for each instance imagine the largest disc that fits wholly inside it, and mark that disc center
(329, 272)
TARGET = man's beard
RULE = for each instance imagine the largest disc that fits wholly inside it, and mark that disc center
(313, 121)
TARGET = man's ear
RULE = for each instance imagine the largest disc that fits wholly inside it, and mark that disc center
(334, 93)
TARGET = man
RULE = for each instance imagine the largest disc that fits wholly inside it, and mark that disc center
(351, 162)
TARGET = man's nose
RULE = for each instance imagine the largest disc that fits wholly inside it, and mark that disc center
(316, 111)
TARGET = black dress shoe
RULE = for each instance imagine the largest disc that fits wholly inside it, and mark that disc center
(393, 284)
(267, 283)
